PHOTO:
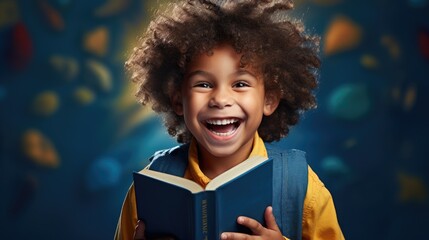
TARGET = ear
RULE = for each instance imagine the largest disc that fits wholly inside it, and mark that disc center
(176, 103)
(271, 103)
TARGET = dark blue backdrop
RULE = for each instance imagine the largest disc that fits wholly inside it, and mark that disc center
(71, 132)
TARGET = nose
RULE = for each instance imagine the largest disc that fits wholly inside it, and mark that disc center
(221, 98)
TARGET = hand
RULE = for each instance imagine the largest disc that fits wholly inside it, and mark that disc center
(139, 233)
(271, 232)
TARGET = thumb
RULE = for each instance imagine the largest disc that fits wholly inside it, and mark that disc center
(139, 231)
(271, 220)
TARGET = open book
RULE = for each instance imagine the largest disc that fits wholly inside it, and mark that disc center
(171, 205)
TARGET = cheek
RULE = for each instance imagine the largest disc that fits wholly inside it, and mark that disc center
(254, 102)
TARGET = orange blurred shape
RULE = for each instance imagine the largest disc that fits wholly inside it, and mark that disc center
(411, 188)
(97, 41)
(39, 149)
(342, 34)
(392, 46)
(46, 103)
(53, 17)
(410, 98)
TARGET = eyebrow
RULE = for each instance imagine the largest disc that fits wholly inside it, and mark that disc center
(207, 74)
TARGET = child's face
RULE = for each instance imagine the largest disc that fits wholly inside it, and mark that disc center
(222, 104)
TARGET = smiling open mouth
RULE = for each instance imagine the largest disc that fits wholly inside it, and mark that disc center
(223, 127)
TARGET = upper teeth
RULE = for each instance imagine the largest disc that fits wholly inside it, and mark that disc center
(221, 121)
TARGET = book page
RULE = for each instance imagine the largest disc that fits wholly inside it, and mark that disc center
(173, 180)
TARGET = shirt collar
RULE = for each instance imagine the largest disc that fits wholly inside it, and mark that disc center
(195, 173)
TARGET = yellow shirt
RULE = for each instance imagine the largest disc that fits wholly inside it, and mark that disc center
(319, 219)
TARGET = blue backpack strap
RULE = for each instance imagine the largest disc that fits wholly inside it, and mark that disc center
(173, 161)
(290, 179)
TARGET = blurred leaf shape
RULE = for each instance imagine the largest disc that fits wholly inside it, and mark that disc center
(103, 76)
(84, 95)
(349, 102)
(46, 103)
(410, 98)
(424, 43)
(51, 15)
(97, 41)
(411, 188)
(392, 46)
(342, 34)
(369, 61)
(103, 173)
(9, 13)
(20, 48)
(39, 149)
(111, 7)
(334, 166)
(66, 65)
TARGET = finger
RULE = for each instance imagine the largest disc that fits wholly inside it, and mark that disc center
(139, 231)
(271, 220)
(234, 236)
(252, 224)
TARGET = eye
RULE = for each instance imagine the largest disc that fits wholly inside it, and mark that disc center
(202, 85)
(241, 84)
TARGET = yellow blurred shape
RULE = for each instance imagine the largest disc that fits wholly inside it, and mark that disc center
(126, 105)
(102, 73)
(46, 103)
(97, 41)
(9, 13)
(111, 7)
(369, 61)
(326, 2)
(392, 46)
(126, 99)
(84, 95)
(39, 149)
(342, 34)
(411, 188)
(349, 143)
(65, 65)
(136, 118)
(410, 98)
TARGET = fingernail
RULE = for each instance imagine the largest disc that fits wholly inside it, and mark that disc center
(223, 236)
(240, 219)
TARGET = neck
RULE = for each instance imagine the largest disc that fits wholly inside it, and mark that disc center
(212, 166)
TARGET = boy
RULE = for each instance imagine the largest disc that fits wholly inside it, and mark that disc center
(228, 78)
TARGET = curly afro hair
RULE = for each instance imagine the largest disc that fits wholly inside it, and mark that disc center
(267, 39)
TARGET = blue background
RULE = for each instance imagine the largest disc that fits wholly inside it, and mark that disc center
(367, 140)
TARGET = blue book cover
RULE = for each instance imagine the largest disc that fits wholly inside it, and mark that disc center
(178, 207)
